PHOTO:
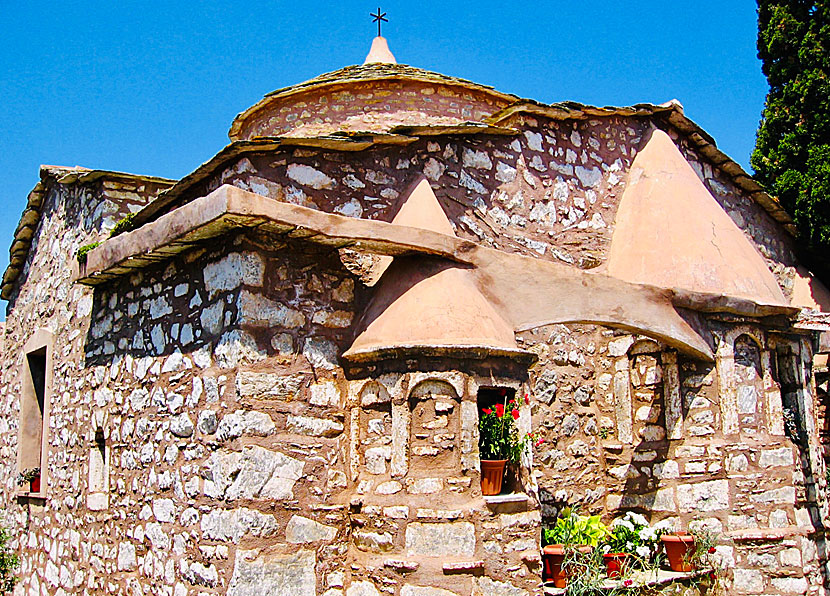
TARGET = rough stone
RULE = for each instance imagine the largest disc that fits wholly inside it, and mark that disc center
(301, 530)
(265, 574)
(438, 539)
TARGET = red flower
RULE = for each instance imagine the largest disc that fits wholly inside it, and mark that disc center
(539, 442)
(515, 414)
(512, 401)
(628, 582)
(487, 411)
(527, 398)
(711, 549)
(499, 410)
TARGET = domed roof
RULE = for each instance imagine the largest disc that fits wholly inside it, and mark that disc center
(379, 72)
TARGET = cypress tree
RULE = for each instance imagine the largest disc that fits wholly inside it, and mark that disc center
(792, 150)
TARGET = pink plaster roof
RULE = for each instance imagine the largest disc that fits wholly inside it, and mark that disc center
(423, 302)
(672, 233)
(809, 292)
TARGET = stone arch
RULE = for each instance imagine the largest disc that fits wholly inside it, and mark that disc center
(727, 380)
(432, 387)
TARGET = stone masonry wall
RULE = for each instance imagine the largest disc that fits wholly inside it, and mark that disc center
(551, 192)
(632, 425)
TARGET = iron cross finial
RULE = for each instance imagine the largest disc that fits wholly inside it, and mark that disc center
(377, 18)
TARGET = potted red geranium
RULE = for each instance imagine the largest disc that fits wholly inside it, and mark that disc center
(500, 442)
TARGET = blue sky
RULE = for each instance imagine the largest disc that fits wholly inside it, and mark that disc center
(152, 87)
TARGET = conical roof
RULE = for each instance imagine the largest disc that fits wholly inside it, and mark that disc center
(672, 233)
(429, 305)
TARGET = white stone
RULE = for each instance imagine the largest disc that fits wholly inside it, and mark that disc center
(471, 158)
(320, 352)
(362, 588)
(301, 530)
(777, 495)
(262, 473)
(233, 270)
(181, 426)
(792, 585)
(534, 140)
(164, 510)
(324, 394)
(314, 427)
(748, 580)
(776, 457)
(440, 539)
(256, 309)
(231, 525)
(484, 586)
(351, 208)
(126, 557)
(711, 495)
(267, 574)
(237, 347)
(589, 177)
(410, 590)
(308, 176)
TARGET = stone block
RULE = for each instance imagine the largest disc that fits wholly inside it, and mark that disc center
(777, 495)
(711, 495)
(301, 530)
(423, 486)
(314, 427)
(440, 539)
(269, 385)
(790, 585)
(484, 586)
(361, 588)
(231, 525)
(266, 574)
(264, 473)
(373, 542)
(748, 580)
(776, 457)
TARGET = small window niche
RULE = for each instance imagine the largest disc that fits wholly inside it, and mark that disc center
(489, 398)
(35, 387)
(98, 496)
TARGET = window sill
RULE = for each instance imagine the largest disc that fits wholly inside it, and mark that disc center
(24, 494)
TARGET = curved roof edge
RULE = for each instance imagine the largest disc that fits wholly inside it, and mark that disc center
(359, 73)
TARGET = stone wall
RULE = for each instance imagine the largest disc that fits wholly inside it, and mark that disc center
(551, 192)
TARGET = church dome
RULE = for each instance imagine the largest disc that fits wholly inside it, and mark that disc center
(376, 96)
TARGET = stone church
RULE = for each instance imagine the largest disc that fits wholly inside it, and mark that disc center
(265, 378)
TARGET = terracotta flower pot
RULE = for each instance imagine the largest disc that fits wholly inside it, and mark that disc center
(553, 556)
(492, 475)
(34, 484)
(614, 564)
(679, 549)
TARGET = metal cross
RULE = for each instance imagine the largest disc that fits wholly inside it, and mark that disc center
(377, 18)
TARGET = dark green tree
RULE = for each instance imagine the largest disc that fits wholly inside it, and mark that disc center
(792, 150)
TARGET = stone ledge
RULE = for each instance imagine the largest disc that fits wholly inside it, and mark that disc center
(769, 534)
(508, 499)
(639, 579)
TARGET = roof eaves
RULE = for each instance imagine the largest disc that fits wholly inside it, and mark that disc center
(25, 231)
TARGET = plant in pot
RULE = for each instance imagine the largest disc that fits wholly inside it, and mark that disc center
(571, 539)
(32, 476)
(499, 442)
(632, 543)
(689, 551)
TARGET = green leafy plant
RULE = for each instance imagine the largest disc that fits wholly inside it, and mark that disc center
(84, 250)
(27, 475)
(499, 437)
(9, 563)
(125, 224)
(702, 556)
(572, 529)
